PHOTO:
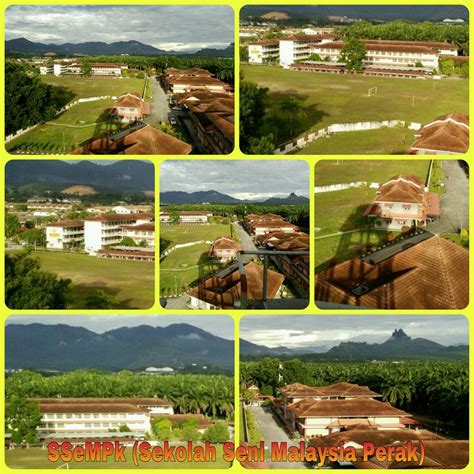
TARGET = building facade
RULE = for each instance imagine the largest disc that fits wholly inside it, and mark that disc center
(64, 234)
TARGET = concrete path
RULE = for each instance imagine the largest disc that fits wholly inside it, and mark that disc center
(342, 233)
(455, 202)
(159, 103)
(272, 432)
(175, 303)
(246, 241)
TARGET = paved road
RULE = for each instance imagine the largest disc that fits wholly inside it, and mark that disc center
(455, 203)
(246, 241)
(175, 303)
(273, 432)
(159, 103)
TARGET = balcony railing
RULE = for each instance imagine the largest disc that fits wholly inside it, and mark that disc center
(293, 303)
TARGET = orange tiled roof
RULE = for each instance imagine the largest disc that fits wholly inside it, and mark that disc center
(433, 274)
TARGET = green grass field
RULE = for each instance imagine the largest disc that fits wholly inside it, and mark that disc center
(328, 172)
(80, 123)
(131, 283)
(92, 87)
(375, 142)
(36, 458)
(330, 99)
(182, 268)
(340, 211)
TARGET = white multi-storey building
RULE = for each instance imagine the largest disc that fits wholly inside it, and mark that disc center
(64, 234)
(106, 229)
(298, 48)
(391, 53)
(97, 415)
(186, 217)
(264, 51)
(141, 233)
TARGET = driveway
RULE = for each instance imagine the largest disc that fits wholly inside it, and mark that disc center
(273, 432)
(455, 201)
(246, 241)
(159, 103)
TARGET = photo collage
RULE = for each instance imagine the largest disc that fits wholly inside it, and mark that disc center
(309, 305)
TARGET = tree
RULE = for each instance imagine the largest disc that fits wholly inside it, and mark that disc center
(124, 429)
(314, 57)
(253, 102)
(12, 225)
(86, 70)
(34, 237)
(217, 433)
(190, 433)
(29, 287)
(162, 428)
(174, 218)
(100, 299)
(353, 54)
(128, 242)
(22, 418)
(446, 67)
(294, 108)
(261, 145)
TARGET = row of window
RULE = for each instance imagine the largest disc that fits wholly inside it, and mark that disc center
(70, 416)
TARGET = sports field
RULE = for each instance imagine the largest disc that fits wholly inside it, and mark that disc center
(131, 283)
(36, 458)
(80, 123)
(184, 267)
(330, 99)
(328, 172)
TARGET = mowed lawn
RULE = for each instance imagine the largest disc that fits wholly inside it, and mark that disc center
(340, 211)
(330, 99)
(184, 267)
(328, 172)
(80, 123)
(393, 141)
(342, 247)
(92, 87)
(131, 283)
(36, 458)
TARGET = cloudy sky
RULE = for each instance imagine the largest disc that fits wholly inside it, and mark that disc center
(304, 331)
(219, 325)
(178, 27)
(252, 180)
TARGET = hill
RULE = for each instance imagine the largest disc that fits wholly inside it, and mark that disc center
(275, 16)
(91, 48)
(215, 197)
(398, 347)
(120, 176)
(80, 190)
(227, 52)
(62, 347)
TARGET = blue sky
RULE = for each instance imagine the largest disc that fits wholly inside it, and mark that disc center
(183, 28)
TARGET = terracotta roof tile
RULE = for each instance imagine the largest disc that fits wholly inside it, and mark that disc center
(433, 274)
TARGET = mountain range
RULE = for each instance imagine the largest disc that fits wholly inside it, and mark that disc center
(123, 175)
(215, 197)
(366, 12)
(97, 48)
(63, 347)
(398, 346)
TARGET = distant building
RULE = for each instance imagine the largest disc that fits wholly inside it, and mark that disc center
(76, 416)
(403, 201)
(185, 217)
(140, 233)
(446, 135)
(64, 234)
(224, 289)
(107, 229)
(431, 274)
(259, 224)
(391, 53)
(180, 82)
(264, 51)
(130, 107)
(224, 249)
